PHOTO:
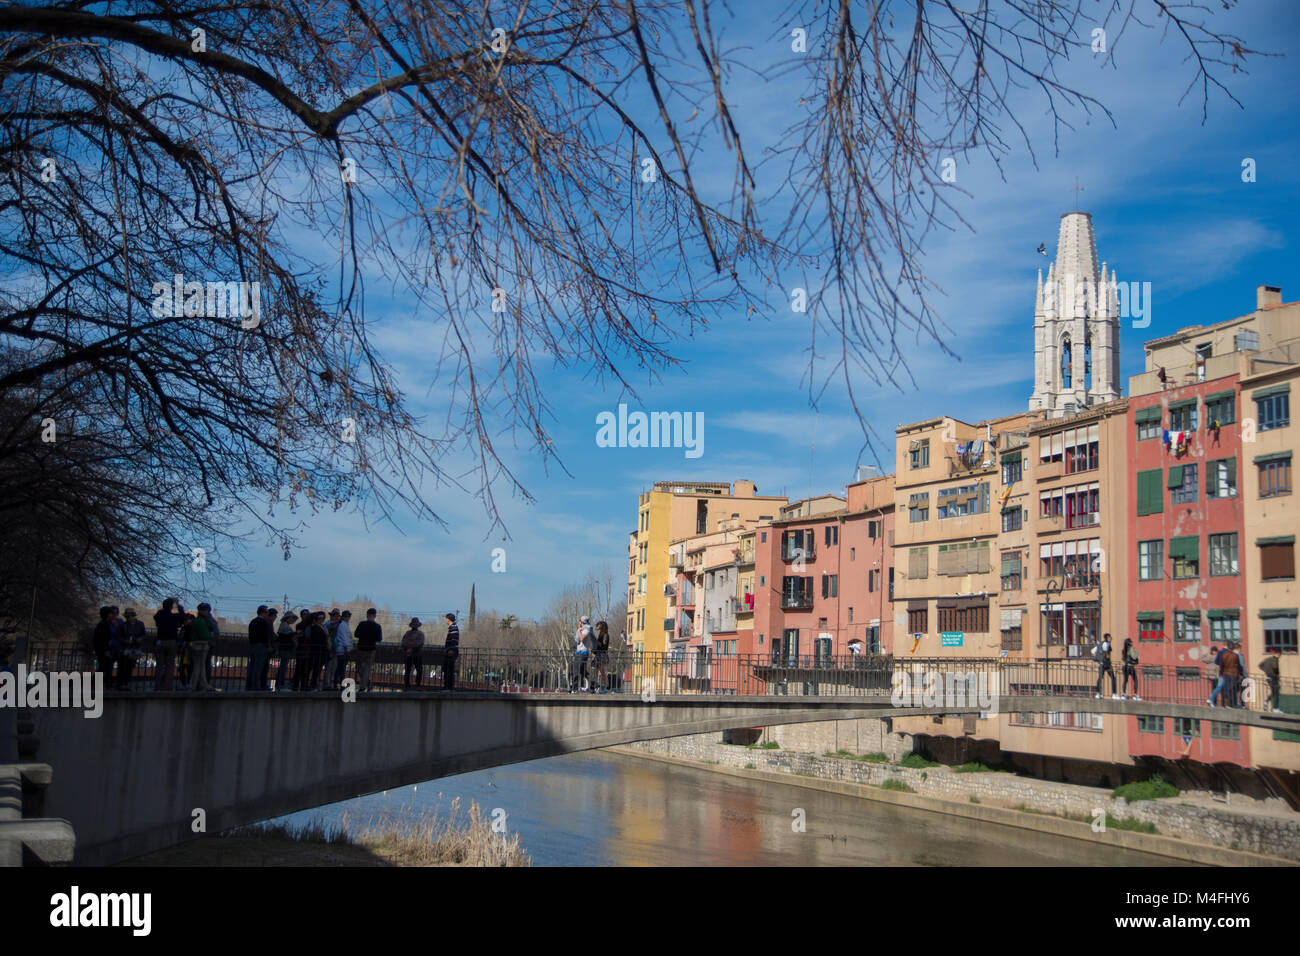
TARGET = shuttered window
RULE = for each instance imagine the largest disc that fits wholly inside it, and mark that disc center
(1150, 492)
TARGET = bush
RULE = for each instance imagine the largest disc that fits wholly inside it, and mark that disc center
(915, 761)
(896, 785)
(1157, 788)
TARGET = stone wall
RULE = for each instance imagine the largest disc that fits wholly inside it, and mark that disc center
(804, 746)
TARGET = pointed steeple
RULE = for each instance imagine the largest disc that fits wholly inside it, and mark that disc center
(471, 605)
(1076, 247)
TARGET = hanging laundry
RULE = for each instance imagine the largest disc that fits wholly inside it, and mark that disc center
(961, 449)
(1164, 437)
(977, 449)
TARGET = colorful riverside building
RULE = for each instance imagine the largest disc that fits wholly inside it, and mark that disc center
(671, 511)
(1208, 446)
(824, 576)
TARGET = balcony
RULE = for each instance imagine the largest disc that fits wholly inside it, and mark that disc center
(790, 602)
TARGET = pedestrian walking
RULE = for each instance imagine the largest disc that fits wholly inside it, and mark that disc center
(1130, 661)
(1102, 653)
(450, 652)
(369, 635)
(412, 650)
(1271, 666)
(1226, 662)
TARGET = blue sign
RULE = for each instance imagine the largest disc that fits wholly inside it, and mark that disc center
(951, 638)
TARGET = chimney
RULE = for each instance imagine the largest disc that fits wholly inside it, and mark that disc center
(744, 489)
(1267, 295)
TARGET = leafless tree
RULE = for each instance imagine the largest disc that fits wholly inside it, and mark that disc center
(527, 180)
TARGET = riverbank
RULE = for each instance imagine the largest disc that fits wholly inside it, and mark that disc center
(399, 838)
(1173, 828)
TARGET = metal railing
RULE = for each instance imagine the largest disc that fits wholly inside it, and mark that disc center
(624, 671)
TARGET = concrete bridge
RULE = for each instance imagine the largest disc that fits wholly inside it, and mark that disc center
(130, 781)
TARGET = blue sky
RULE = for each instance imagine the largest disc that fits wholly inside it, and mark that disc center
(1169, 207)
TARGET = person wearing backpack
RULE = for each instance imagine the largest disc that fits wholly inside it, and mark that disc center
(1271, 666)
(1102, 653)
(1129, 658)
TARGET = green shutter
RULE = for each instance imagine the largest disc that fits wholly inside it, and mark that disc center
(1219, 396)
(1224, 614)
(1232, 471)
(1010, 458)
(1272, 456)
(1271, 390)
(1151, 615)
(1144, 416)
(1179, 405)
(1211, 479)
(1187, 547)
(1175, 476)
(1150, 496)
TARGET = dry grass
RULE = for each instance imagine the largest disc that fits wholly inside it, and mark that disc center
(406, 837)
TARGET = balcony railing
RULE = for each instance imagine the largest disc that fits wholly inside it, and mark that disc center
(790, 601)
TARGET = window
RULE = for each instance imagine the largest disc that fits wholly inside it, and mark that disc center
(973, 619)
(850, 614)
(830, 585)
(1081, 506)
(1225, 731)
(919, 507)
(1013, 519)
(1188, 675)
(763, 537)
(1220, 407)
(873, 529)
(853, 554)
(964, 500)
(1182, 484)
(1221, 478)
(1150, 494)
(1279, 630)
(1187, 727)
(1225, 625)
(1012, 635)
(1185, 553)
(1187, 627)
(762, 580)
(1051, 447)
(1011, 571)
(640, 584)
(701, 516)
(789, 644)
(1012, 468)
(1273, 407)
(918, 560)
(1081, 448)
(916, 620)
(1274, 474)
(920, 453)
(966, 557)
(1148, 423)
(1078, 563)
(796, 592)
(1151, 627)
(873, 581)
(891, 584)
(1223, 554)
(797, 544)
(1151, 560)
(1182, 416)
(1152, 673)
(1276, 558)
(1151, 725)
(832, 534)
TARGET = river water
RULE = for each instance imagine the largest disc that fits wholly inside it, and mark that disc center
(600, 809)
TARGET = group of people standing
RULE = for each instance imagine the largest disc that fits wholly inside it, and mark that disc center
(413, 653)
(591, 646)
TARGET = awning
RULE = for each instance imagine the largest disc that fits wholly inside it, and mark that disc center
(1182, 403)
(1145, 415)
(1224, 614)
(917, 604)
(1285, 613)
(961, 603)
(1272, 456)
(1188, 548)
(1270, 391)
(1280, 539)
(1219, 396)
(1010, 457)
(1151, 615)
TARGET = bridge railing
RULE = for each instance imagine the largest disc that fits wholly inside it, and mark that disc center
(626, 672)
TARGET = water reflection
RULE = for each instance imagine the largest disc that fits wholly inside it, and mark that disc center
(605, 809)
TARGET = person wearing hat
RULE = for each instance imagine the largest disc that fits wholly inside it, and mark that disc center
(413, 648)
(284, 645)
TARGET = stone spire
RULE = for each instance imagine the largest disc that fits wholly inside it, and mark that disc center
(1076, 326)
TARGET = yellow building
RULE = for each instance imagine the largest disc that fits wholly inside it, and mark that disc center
(671, 511)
